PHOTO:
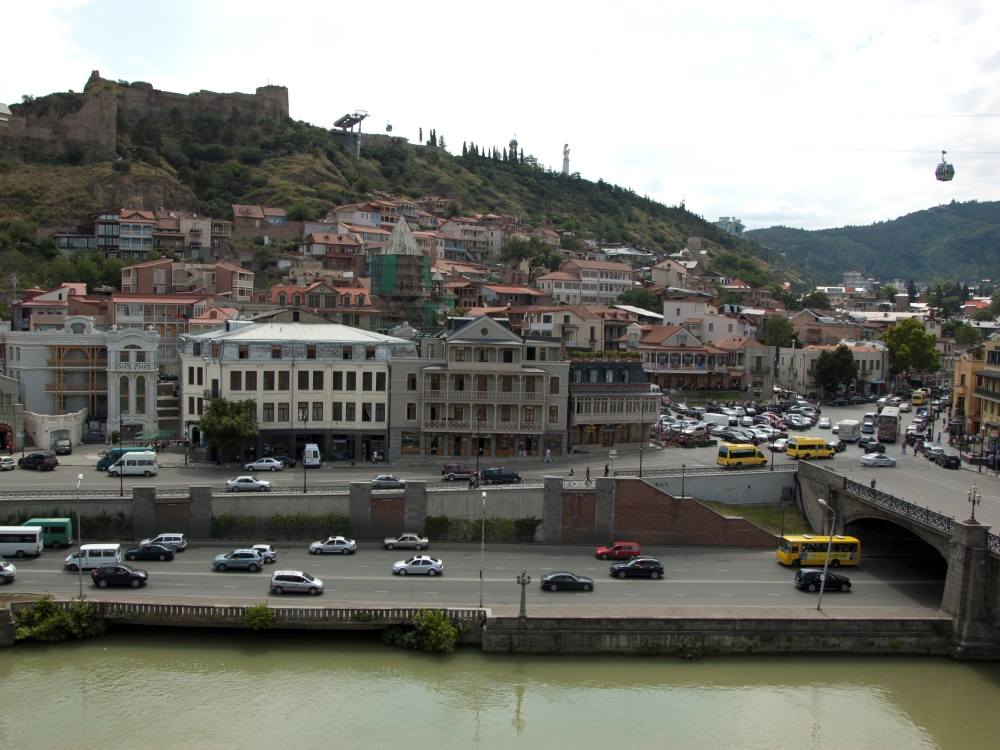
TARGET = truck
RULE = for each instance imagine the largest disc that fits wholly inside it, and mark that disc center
(849, 430)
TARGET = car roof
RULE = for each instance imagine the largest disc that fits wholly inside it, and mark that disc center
(287, 573)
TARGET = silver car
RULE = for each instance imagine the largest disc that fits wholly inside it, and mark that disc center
(406, 541)
(388, 482)
(265, 464)
(295, 580)
(419, 565)
(335, 545)
(248, 484)
(267, 552)
(239, 559)
(7, 572)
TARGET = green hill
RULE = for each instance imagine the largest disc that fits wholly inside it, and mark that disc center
(957, 241)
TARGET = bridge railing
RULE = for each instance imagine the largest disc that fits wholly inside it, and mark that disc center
(706, 471)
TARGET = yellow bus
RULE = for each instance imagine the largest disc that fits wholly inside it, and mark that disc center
(731, 454)
(809, 550)
(918, 397)
(808, 447)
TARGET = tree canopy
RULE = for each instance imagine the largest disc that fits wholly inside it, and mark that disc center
(911, 348)
(816, 301)
(836, 367)
(641, 298)
(888, 293)
(779, 331)
(228, 425)
(963, 333)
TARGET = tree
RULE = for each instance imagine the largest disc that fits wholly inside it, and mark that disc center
(779, 331)
(228, 425)
(911, 348)
(571, 243)
(962, 332)
(816, 301)
(641, 297)
(14, 265)
(546, 259)
(888, 293)
(911, 291)
(836, 367)
(300, 212)
(515, 250)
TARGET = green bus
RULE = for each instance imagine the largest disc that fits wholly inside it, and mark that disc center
(56, 532)
(112, 455)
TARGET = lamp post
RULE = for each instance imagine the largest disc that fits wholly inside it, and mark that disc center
(975, 498)
(482, 551)
(640, 463)
(683, 469)
(79, 534)
(479, 450)
(829, 547)
(121, 474)
(613, 454)
(304, 418)
(524, 579)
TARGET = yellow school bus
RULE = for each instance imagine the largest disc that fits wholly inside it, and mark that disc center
(808, 447)
(809, 550)
(734, 454)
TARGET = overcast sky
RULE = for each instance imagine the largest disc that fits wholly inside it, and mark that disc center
(804, 114)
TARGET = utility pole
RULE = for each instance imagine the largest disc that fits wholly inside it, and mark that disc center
(482, 552)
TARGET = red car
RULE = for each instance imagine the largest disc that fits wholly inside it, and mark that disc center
(619, 551)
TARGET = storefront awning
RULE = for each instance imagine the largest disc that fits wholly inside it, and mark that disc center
(879, 381)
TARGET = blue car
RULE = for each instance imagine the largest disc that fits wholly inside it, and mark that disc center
(868, 428)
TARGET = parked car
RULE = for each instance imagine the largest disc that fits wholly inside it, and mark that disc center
(167, 377)
(500, 476)
(905, 406)
(168, 539)
(868, 428)
(239, 559)
(641, 566)
(877, 459)
(7, 463)
(858, 400)
(388, 482)
(566, 581)
(295, 581)
(948, 460)
(150, 552)
(838, 402)
(40, 460)
(334, 545)
(418, 565)
(248, 484)
(619, 551)
(811, 579)
(7, 572)
(63, 447)
(933, 452)
(824, 423)
(838, 445)
(267, 553)
(871, 445)
(779, 445)
(406, 541)
(119, 575)
(451, 472)
(265, 464)
(286, 460)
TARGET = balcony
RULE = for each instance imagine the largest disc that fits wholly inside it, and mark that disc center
(99, 387)
(490, 366)
(672, 367)
(454, 425)
(76, 364)
(985, 393)
(487, 396)
(760, 370)
(628, 417)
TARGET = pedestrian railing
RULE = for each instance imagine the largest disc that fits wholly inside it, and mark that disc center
(911, 510)
(320, 489)
(464, 485)
(705, 471)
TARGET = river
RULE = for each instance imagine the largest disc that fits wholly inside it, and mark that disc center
(160, 688)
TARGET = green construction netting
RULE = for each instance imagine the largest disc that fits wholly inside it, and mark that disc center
(383, 274)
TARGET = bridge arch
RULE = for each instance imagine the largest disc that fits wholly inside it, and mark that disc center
(889, 530)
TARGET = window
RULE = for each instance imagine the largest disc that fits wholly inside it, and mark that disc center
(191, 376)
(366, 381)
(411, 381)
(508, 356)
(504, 413)
(310, 352)
(123, 356)
(235, 380)
(196, 349)
(554, 385)
(459, 354)
(623, 374)
(338, 381)
(730, 327)
(317, 411)
(350, 416)
(529, 354)
(190, 404)
(215, 351)
(244, 351)
(352, 381)
(140, 394)
(369, 352)
(459, 383)
(251, 380)
(317, 380)
(268, 380)
(366, 412)
(283, 380)
(348, 352)
(507, 384)
(268, 412)
(379, 381)
(302, 412)
(609, 375)
(337, 411)
(303, 380)
(411, 411)
(593, 374)
(283, 412)
(711, 327)
(201, 406)
(275, 351)
(542, 354)
(201, 377)
(379, 412)
(483, 355)
(123, 395)
(553, 414)
(529, 413)
(577, 377)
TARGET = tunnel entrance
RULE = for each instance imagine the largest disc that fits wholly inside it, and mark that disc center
(881, 538)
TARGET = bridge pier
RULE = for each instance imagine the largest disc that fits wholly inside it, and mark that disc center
(968, 592)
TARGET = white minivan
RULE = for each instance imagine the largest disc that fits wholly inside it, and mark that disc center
(134, 463)
(311, 457)
(94, 556)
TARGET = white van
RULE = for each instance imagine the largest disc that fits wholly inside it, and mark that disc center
(311, 457)
(849, 430)
(134, 463)
(719, 419)
(94, 556)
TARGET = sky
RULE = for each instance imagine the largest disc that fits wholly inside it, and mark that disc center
(802, 114)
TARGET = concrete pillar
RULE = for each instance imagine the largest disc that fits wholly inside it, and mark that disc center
(328, 447)
(200, 512)
(967, 594)
(552, 507)
(604, 510)
(361, 509)
(144, 512)
(415, 507)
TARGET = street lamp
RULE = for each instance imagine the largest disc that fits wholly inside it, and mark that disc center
(524, 579)
(479, 450)
(975, 498)
(79, 534)
(640, 463)
(683, 469)
(612, 454)
(482, 552)
(121, 444)
(304, 418)
(829, 547)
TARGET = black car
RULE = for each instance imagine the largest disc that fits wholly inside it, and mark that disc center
(810, 579)
(640, 566)
(567, 581)
(838, 445)
(855, 400)
(288, 462)
(168, 377)
(150, 552)
(119, 575)
(500, 476)
(949, 461)
(838, 402)
(41, 460)
(870, 445)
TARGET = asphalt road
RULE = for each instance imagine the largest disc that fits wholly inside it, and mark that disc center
(694, 577)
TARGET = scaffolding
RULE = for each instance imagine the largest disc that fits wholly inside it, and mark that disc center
(401, 279)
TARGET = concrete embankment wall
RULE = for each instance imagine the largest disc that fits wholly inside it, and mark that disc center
(764, 488)
(500, 504)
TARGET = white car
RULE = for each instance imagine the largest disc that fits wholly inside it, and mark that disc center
(295, 580)
(247, 484)
(905, 406)
(267, 552)
(780, 445)
(265, 464)
(169, 539)
(746, 421)
(7, 463)
(7, 572)
(877, 459)
(419, 565)
(824, 423)
(334, 545)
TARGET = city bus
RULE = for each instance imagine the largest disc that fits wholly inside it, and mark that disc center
(919, 397)
(56, 532)
(809, 550)
(888, 424)
(731, 454)
(18, 541)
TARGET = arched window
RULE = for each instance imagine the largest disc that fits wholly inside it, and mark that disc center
(297, 300)
(282, 299)
(140, 394)
(123, 395)
(361, 300)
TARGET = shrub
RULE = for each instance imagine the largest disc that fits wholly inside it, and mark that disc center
(122, 167)
(429, 630)
(690, 647)
(259, 616)
(435, 527)
(525, 528)
(230, 525)
(46, 621)
(302, 524)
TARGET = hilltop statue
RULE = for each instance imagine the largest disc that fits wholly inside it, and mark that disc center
(565, 169)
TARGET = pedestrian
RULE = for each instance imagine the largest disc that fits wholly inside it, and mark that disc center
(548, 455)
(588, 475)
(570, 473)
(873, 484)
(939, 439)
(218, 459)
(904, 447)
(605, 470)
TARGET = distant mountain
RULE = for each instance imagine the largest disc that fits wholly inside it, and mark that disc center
(957, 241)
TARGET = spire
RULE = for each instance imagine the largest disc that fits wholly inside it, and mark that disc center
(401, 241)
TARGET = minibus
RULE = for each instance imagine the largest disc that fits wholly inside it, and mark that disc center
(94, 556)
(143, 463)
(731, 454)
(56, 532)
(112, 455)
(807, 447)
(18, 541)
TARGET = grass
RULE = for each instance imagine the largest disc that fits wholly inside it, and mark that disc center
(766, 518)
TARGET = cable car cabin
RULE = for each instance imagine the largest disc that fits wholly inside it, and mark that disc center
(945, 171)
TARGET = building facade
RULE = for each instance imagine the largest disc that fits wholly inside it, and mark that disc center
(610, 403)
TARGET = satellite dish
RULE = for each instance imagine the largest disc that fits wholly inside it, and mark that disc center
(945, 172)
(388, 128)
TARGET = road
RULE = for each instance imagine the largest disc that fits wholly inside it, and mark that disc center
(694, 577)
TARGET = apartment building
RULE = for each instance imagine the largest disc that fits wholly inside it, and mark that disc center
(824, 329)
(564, 288)
(673, 357)
(191, 235)
(987, 391)
(326, 384)
(124, 233)
(471, 232)
(611, 404)
(702, 319)
(167, 314)
(164, 276)
(347, 301)
(965, 405)
(601, 282)
(479, 387)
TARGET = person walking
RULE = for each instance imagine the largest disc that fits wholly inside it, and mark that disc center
(873, 484)
(588, 475)
(571, 473)
(904, 447)
(548, 455)
(939, 439)
(605, 470)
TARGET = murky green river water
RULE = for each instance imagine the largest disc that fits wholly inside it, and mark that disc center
(158, 689)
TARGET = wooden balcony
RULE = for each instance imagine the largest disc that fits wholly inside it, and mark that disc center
(485, 396)
(464, 425)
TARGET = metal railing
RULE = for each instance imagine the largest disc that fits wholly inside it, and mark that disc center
(463, 484)
(487, 396)
(706, 471)
(903, 507)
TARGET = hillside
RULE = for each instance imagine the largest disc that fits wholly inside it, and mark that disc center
(957, 241)
(207, 163)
